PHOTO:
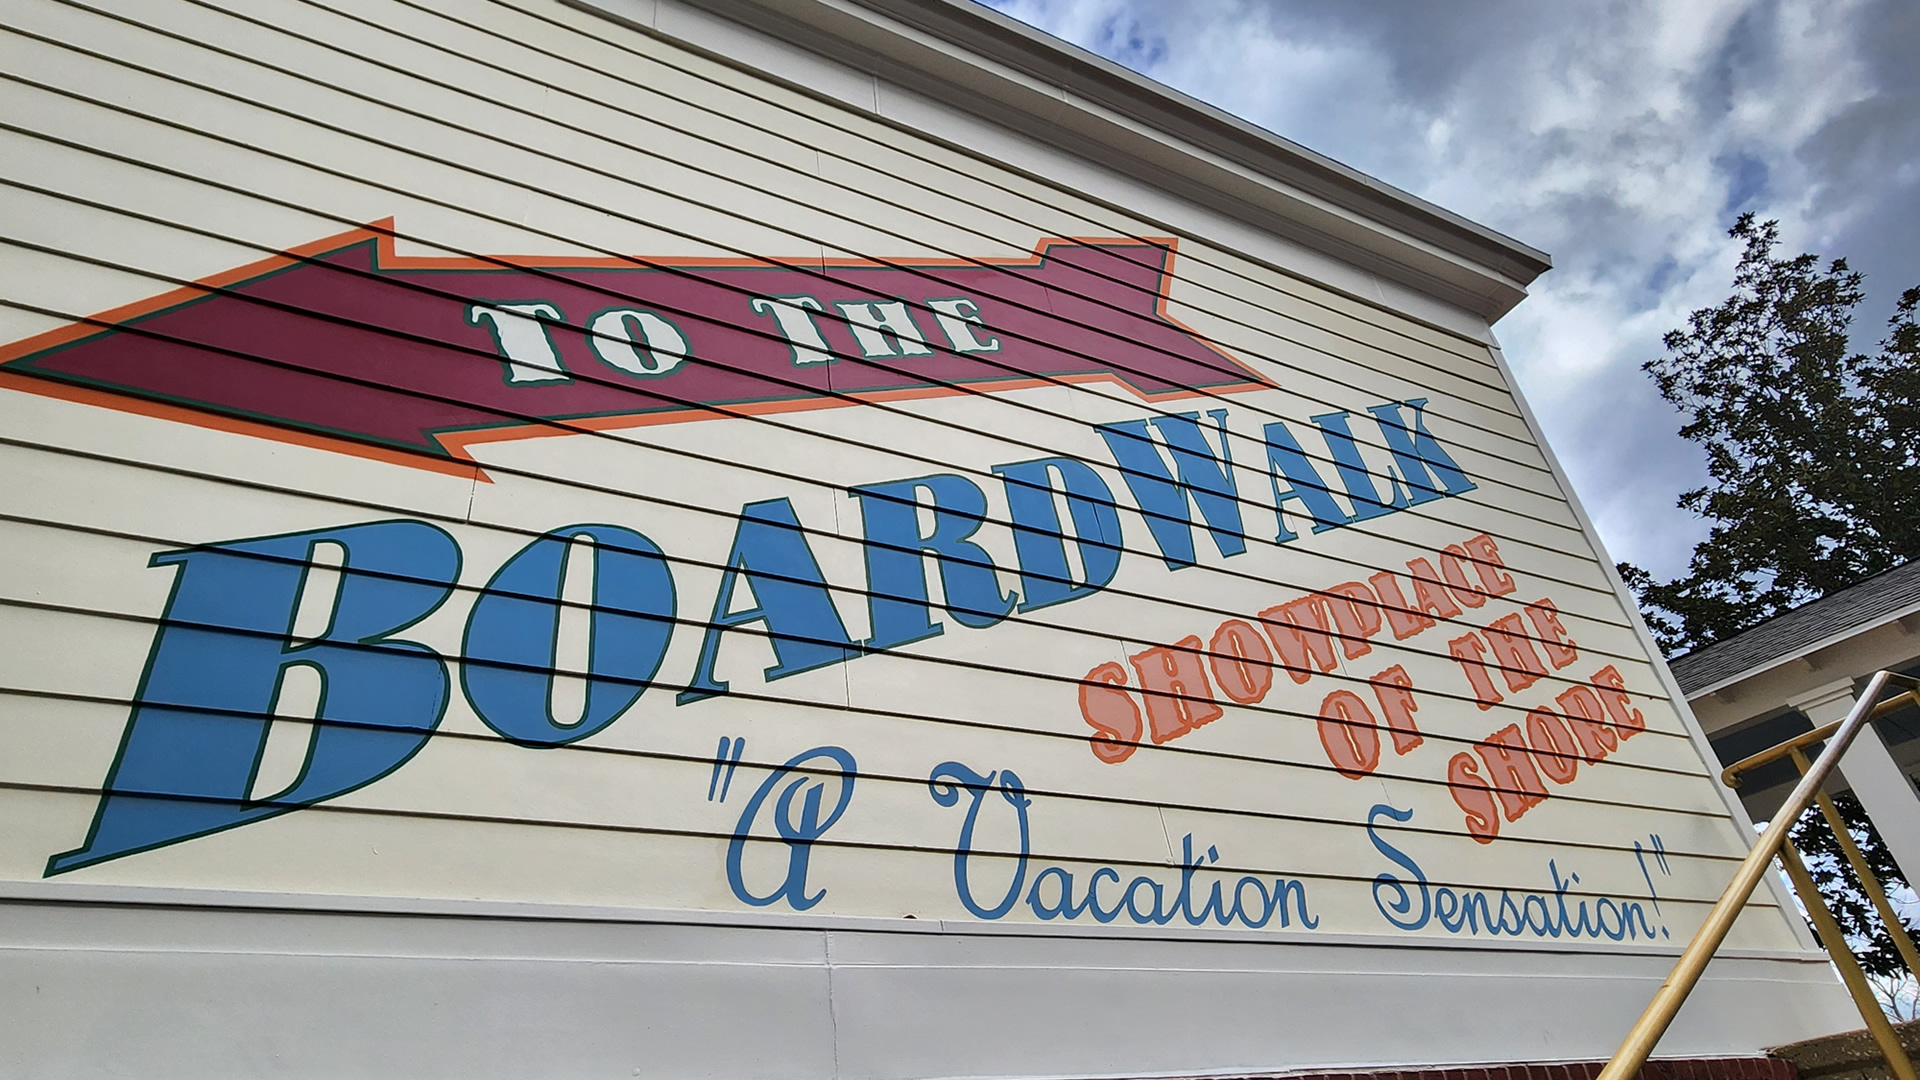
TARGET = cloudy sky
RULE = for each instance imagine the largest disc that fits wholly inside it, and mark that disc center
(1622, 137)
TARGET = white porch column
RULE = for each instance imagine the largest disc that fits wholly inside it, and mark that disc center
(1878, 783)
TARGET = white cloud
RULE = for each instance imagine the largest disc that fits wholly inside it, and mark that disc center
(1623, 138)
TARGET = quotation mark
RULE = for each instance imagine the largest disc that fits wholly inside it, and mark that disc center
(1659, 853)
(725, 760)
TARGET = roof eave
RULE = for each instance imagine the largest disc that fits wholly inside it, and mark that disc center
(973, 58)
(1803, 652)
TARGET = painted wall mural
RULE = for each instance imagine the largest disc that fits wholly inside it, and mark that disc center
(928, 589)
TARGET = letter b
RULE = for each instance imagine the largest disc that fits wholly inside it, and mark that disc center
(188, 758)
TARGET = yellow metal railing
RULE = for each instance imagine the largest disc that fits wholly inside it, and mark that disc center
(1666, 1003)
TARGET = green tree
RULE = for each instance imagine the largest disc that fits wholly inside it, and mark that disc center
(1813, 450)
(1813, 459)
(1840, 887)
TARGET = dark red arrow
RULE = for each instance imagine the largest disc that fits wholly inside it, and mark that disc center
(343, 339)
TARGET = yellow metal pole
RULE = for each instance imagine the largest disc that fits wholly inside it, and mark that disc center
(1659, 1014)
(1850, 973)
(1868, 882)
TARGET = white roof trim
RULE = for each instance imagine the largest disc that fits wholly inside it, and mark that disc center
(972, 58)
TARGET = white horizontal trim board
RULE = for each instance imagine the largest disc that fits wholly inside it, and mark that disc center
(608, 539)
(393, 994)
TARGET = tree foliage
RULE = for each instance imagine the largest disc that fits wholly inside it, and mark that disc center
(1813, 462)
(1841, 887)
(1813, 450)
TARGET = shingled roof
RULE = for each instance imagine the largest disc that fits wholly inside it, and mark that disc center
(1879, 599)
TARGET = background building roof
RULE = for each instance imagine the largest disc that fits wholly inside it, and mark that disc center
(1807, 628)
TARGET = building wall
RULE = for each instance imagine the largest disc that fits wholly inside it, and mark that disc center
(693, 693)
